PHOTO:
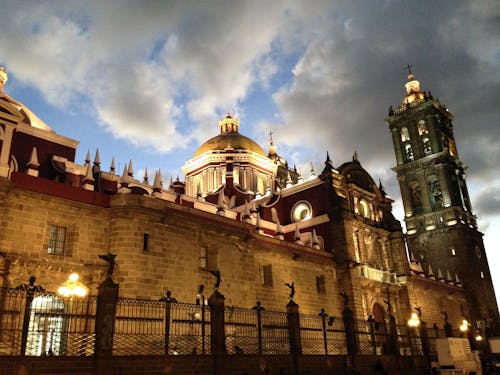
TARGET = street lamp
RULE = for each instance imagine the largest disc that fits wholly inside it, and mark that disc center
(464, 327)
(72, 287)
(414, 321)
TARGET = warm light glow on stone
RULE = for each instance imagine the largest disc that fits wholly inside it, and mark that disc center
(73, 287)
(414, 321)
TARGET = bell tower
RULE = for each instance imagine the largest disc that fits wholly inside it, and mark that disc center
(441, 227)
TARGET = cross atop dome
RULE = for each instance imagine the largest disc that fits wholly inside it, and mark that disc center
(229, 124)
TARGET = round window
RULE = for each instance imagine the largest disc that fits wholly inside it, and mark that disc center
(301, 211)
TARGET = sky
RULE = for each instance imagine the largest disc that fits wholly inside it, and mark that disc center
(148, 81)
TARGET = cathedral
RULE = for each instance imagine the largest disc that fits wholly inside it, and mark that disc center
(244, 212)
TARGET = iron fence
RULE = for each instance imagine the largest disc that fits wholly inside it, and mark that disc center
(35, 322)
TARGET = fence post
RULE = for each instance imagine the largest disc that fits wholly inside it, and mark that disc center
(371, 322)
(323, 315)
(168, 306)
(30, 290)
(350, 331)
(392, 345)
(107, 299)
(217, 330)
(292, 317)
(258, 307)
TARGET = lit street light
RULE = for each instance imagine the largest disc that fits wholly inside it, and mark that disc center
(72, 287)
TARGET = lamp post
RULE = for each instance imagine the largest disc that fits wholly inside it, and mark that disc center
(464, 327)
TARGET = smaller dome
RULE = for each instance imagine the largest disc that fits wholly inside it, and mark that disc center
(235, 140)
(356, 174)
(229, 136)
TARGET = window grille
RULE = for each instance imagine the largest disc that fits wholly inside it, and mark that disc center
(57, 239)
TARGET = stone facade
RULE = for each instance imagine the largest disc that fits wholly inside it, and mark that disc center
(333, 234)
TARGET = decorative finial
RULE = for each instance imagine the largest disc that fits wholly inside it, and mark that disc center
(97, 159)
(112, 166)
(145, 179)
(408, 66)
(355, 156)
(271, 141)
(3, 77)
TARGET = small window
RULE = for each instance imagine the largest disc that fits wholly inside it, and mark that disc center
(453, 252)
(267, 275)
(145, 242)
(321, 284)
(408, 152)
(482, 275)
(405, 136)
(427, 146)
(57, 239)
(203, 257)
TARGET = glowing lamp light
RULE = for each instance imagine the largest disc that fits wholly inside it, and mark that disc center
(72, 287)
(464, 326)
(478, 336)
(414, 321)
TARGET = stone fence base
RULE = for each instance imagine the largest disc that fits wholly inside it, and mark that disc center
(206, 365)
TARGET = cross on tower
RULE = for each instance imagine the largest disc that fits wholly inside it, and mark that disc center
(408, 66)
(271, 137)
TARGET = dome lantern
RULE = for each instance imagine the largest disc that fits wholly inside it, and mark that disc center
(229, 124)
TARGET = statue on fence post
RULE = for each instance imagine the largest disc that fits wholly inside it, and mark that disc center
(110, 258)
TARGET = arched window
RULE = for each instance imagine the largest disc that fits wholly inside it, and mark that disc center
(427, 146)
(408, 152)
(422, 128)
(364, 208)
(405, 136)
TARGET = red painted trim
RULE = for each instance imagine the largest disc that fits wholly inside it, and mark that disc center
(60, 190)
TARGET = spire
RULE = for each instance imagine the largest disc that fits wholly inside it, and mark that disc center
(33, 163)
(157, 183)
(97, 159)
(355, 157)
(430, 273)
(87, 158)
(440, 276)
(314, 240)
(130, 170)
(449, 280)
(220, 203)
(457, 280)
(289, 181)
(300, 179)
(296, 236)
(88, 180)
(258, 228)
(247, 215)
(312, 173)
(198, 191)
(145, 179)
(112, 166)
(3, 78)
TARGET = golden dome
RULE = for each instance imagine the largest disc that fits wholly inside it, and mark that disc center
(229, 136)
(235, 140)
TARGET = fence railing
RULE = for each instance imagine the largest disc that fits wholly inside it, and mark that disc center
(41, 323)
(36, 323)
